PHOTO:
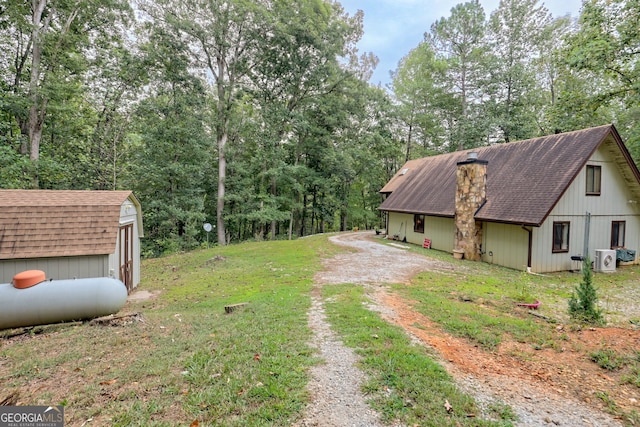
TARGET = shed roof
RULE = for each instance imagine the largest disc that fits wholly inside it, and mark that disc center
(525, 179)
(52, 223)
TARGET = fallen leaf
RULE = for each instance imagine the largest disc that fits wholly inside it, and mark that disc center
(110, 382)
(195, 423)
(448, 406)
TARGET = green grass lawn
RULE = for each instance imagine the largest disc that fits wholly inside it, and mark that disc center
(189, 361)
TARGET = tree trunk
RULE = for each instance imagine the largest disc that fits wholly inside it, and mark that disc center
(303, 215)
(290, 232)
(36, 112)
(273, 221)
(222, 133)
(222, 175)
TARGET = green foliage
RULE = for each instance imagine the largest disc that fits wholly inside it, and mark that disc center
(168, 172)
(607, 359)
(603, 52)
(583, 300)
(633, 377)
(15, 169)
(460, 42)
(305, 141)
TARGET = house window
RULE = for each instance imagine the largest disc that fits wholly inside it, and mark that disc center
(594, 174)
(418, 223)
(617, 234)
(561, 237)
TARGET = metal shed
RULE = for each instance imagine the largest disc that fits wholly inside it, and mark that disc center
(71, 234)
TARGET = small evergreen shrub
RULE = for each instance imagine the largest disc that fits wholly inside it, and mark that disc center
(583, 300)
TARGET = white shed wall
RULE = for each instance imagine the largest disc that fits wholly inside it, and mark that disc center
(128, 215)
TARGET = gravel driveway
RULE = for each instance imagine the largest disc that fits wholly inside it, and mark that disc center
(335, 385)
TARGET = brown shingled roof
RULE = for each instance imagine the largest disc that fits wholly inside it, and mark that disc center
(403, 174)
(525, 179)
(48, 223)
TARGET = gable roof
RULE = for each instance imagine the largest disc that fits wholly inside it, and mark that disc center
(51, 223)
(525, 179)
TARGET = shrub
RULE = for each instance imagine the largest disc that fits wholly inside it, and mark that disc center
(583, 300)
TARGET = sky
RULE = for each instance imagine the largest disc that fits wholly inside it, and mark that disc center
(393, 27)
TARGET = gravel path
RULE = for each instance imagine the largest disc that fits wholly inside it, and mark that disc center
(335, 385)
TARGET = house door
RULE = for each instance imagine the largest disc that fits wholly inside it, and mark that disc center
(126, 256)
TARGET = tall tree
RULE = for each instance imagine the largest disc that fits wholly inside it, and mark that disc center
(170, 149)
(605, 51)
(460, 41)
(299, 68)
(417, 88)
(270, 58)
(49, 46)
(224, 39)
(554, 75)
(515, 29)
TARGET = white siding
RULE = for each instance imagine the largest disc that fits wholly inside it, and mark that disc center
(615, 203)
(57, 268)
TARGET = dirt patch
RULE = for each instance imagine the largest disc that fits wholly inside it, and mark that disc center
(547, 381)
(544, 387)
(142, 295)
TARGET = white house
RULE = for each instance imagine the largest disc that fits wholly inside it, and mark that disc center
(70, 234)
(540, 204)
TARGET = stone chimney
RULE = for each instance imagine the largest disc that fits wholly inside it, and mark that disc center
(471, 194)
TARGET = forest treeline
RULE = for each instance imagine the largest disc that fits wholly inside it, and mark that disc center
(257, 115)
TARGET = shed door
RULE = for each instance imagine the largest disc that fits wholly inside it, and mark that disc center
(126, 256)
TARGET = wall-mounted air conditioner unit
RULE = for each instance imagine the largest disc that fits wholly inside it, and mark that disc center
(605, 261)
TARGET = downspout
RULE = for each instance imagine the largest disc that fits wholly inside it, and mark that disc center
(530, 248)
(587, 228)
